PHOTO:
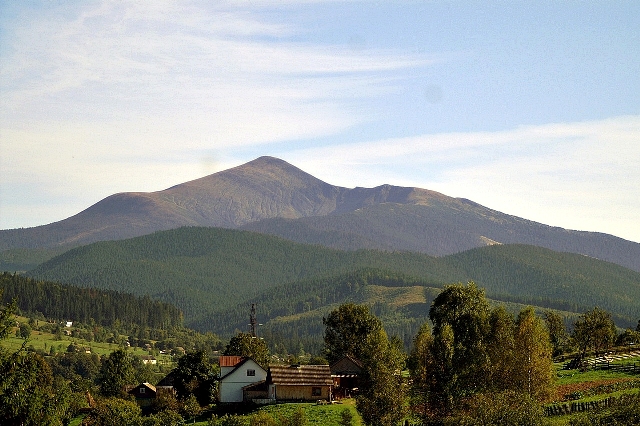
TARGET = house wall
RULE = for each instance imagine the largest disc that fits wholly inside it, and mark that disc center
(230, 386)
(299, 392)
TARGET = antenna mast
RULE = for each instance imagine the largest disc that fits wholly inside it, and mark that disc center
(253, 323)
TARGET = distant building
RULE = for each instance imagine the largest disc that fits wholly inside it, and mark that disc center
(145, 394)
(148, 359)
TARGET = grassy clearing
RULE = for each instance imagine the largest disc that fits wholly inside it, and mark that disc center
(44, 341)
(317, 415)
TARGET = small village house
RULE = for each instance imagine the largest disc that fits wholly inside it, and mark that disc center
(145, 394)
(299, 383)
(236, 373)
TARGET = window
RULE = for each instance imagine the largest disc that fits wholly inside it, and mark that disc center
(142, 390)
(251, 372)
(316, 391)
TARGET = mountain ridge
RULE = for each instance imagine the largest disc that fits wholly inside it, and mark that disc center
(271, 196)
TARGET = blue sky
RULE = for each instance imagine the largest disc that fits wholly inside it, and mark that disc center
(530, 108)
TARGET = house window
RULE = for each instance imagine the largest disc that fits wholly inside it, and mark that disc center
(251, 372)
(316, 391)
(142, 390)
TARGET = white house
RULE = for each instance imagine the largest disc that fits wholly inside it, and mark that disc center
(236, 373)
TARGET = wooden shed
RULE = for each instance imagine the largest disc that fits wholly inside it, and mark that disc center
(346, 374)
(299, 383)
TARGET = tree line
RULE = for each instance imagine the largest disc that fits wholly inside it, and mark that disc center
(87, 305)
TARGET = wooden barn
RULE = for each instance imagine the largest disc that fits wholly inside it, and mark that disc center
(346, 376)
(299, 383)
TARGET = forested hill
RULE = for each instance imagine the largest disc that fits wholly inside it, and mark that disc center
(207, 271)
(271, 196)
(87, 305)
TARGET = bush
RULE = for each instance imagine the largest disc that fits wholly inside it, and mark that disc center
(262, 419)
(346, 417)
(505, 408)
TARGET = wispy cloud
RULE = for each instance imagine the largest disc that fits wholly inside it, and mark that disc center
(567, 174)
(118, 96)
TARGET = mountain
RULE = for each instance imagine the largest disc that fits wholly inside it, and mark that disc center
(214, 274)
(271, 196)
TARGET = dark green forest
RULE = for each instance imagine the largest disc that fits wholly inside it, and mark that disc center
(87, 305)
(213, 273)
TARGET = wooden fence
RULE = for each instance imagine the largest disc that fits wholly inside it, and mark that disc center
(578, 407)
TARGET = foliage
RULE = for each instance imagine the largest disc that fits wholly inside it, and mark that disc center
(207, 272)
(115, 373)
(507, 408)
(460, 320)
(163, 418)
(102, 307)
(501, 348)
(557, 332)
(195, 375)
(594, 330)
(246, 345)
(533, 370)
(346, 417)
(626, 413)
(114, 412)
(421, 364)
(80, 369)
(347, 330)
(29, 394)
(381, 400)
(514, 356)
(190, 407)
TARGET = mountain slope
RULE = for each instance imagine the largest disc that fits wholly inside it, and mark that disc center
(271, 196)
(441, 227)
(207, 271)
(264, 188)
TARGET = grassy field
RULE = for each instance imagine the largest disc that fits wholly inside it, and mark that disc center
(317, 415)
(44, 341)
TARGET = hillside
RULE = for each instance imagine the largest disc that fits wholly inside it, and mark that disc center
(271, 196)
(208, 272)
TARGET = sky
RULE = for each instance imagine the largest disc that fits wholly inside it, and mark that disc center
(529, 108)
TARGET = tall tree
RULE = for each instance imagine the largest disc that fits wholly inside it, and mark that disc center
(460, 321)
(500, 348)
(533, 369)
(557, 332)
(383, 390)
(115, 373)
(195, 375)
(421, 366)
(347, 329)
(246, 345)
(594, 330)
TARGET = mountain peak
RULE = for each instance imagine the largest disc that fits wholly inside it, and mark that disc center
(388, 216)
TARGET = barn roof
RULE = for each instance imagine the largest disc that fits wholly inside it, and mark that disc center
(346, 366)
(315, 375)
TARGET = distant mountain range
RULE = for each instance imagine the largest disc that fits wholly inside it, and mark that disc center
(270, 196)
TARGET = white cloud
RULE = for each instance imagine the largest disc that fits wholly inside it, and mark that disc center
(576, 175)
(126, 96)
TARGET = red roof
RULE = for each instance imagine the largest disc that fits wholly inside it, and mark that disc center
(230, 360)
